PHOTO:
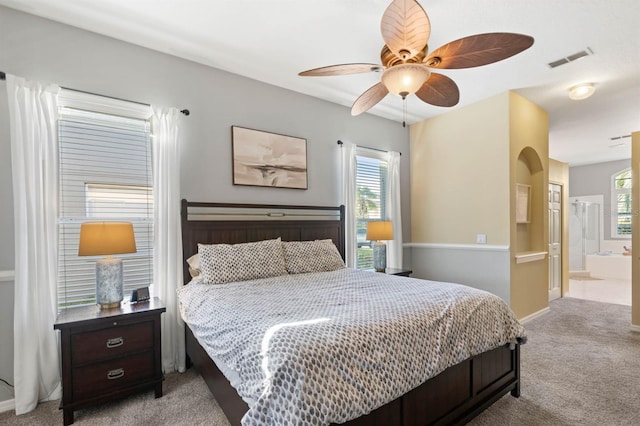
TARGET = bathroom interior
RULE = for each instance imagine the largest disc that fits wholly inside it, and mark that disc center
(600, 269)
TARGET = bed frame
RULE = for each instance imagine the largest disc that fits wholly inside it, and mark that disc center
(453, 397)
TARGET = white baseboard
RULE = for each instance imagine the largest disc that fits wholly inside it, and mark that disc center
(635, 328)
(535, 315)
(7, 405)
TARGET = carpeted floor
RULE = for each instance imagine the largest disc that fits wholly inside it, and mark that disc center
(581, 366)
(186, 401)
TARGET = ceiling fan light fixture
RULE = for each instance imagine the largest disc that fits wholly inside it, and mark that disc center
(581, 91)
(405, 79)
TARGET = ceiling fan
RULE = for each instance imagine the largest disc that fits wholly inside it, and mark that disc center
(406, 61)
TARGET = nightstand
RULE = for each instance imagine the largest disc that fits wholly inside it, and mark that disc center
(395, 271)
(108, 354)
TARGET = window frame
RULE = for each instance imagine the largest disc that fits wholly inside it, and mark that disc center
(119, 114)
(615, 212)
(381, 157)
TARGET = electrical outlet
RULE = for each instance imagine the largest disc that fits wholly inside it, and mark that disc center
(481, 239)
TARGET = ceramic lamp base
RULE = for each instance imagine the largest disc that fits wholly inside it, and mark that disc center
(109, 283)
(380, 256)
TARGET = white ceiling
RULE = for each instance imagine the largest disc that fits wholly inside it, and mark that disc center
(273, 40)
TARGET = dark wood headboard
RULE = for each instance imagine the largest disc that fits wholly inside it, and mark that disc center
(222, 223)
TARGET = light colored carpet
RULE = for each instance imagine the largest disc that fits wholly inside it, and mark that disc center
(186, 401)
(581, 366)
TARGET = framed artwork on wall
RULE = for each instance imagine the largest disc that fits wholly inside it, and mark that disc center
(523, 203)
(268, 159)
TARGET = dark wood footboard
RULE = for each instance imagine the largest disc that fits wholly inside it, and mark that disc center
(454, 396)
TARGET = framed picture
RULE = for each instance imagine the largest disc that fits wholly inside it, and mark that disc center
(268, 159)
(523, 204)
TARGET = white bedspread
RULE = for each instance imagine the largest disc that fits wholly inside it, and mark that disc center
(328, 347)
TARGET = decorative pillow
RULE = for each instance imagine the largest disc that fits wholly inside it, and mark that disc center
(223, 263)
(312, 256)
(194, 265)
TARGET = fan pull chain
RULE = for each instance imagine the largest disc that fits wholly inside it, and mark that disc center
(404, 111)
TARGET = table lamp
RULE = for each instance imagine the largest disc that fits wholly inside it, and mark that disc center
(107, 238)
(378, 232)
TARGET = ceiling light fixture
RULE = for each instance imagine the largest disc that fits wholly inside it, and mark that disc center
(581, 91)
(405, 79)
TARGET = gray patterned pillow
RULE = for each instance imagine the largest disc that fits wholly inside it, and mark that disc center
(223, 263)
(312, 256)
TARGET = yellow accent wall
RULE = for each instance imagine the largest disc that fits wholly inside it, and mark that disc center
(464, 168)
(460, 175)
(635, 226)
(529, 164)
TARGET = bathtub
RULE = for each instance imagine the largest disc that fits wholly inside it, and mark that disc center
(615, 265)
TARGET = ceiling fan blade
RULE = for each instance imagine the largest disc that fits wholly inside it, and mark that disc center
(405, 28)
(369, 98)
(477, 50)
(342, 69)
(439, 90)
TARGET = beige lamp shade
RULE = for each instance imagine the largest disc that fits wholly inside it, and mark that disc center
(381, 230)
(106, 238)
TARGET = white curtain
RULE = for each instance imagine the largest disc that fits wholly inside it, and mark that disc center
(167, 248)
(34, 152)
(349, 201)
(394, 247)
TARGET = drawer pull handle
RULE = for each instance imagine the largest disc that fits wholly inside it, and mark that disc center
(115, 342)
(115, 374)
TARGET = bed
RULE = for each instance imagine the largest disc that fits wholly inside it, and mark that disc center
(454, 395)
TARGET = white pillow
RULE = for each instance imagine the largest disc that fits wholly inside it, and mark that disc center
(223, 263)
(312, 256)
(194, 265)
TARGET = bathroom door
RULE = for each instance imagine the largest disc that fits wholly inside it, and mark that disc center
(555, 241)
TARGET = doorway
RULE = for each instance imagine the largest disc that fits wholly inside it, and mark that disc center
(555, 241)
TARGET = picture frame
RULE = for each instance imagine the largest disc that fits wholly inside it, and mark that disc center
(523, 203)
(268, 159)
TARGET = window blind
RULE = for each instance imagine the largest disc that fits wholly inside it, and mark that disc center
(371, 186)
(105, 175)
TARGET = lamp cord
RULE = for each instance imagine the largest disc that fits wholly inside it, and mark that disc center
(3, 380)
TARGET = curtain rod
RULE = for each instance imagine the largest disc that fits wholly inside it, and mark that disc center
(362, 146)
(3, 76)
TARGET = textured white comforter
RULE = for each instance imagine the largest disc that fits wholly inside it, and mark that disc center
(331, 346)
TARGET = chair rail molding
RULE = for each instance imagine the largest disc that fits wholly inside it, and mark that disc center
(479, 247)
(7, 276)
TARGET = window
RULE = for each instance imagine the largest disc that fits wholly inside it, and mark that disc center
(621, 205)
(105, 174)
(371, 188)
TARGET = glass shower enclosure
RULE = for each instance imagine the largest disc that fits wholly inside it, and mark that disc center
(584, 233)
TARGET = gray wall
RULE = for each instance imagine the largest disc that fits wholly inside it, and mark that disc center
(595, 179)
(6, 245)
(38, 49)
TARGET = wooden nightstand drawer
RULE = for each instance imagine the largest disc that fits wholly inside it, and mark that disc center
(103, 377)
(111, 342)
(109, 354)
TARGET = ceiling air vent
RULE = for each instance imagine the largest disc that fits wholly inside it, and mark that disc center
(615, 138)
(571, 58)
